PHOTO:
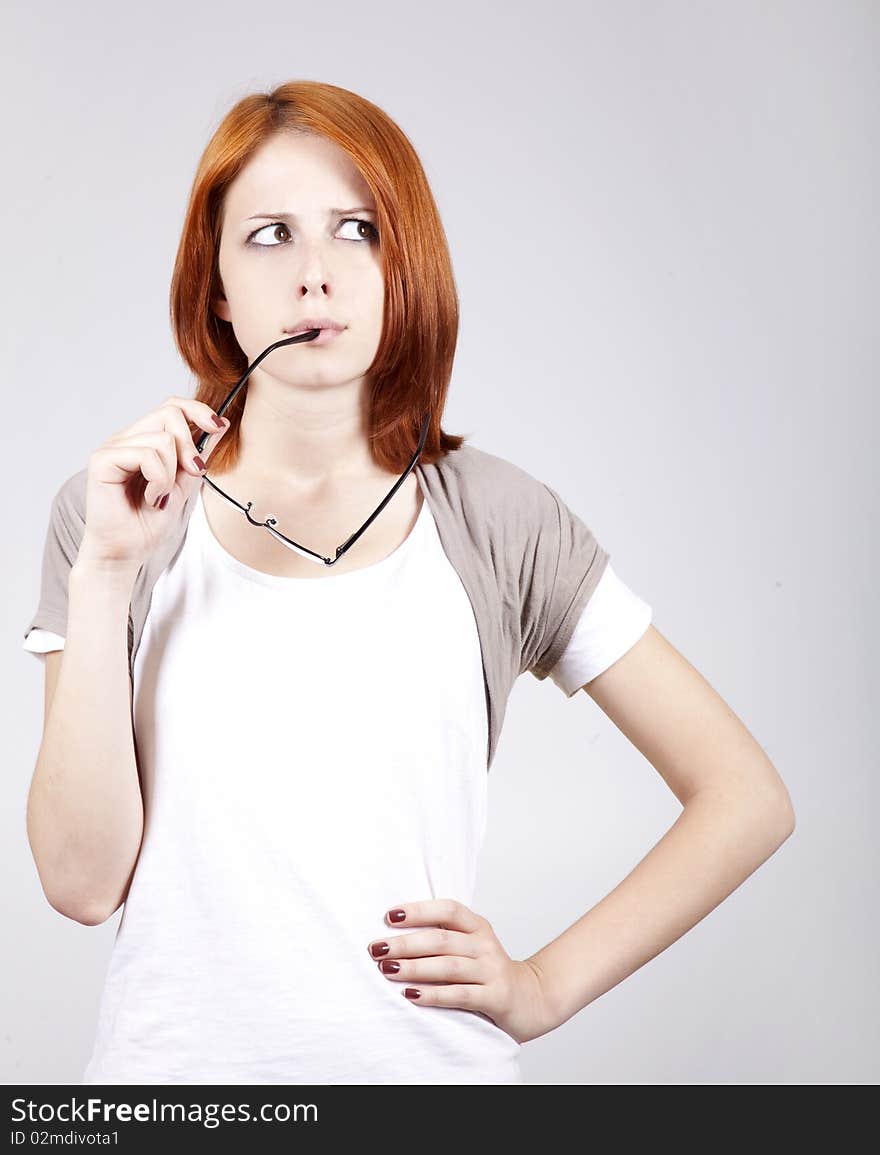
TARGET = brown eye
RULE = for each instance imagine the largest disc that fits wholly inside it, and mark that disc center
(373, 231)
(256, 233)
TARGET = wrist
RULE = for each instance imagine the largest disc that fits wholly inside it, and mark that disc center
(90, 566)
(552, 1013)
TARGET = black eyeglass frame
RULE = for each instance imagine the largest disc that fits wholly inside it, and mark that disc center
(270, 522)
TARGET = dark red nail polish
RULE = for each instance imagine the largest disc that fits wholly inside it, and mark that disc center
(164, 501)
(389, 967)
(218, 421)
(396, 915)
(412, 993)
(378, 949)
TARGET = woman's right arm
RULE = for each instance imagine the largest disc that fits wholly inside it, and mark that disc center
(85, 810)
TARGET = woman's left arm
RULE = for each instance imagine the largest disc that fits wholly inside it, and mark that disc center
(737, 813)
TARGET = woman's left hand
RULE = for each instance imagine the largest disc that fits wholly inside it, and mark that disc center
(458, 962)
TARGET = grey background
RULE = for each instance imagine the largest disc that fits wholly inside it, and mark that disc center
(663, 220)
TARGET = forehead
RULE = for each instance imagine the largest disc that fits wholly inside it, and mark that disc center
(297, 173)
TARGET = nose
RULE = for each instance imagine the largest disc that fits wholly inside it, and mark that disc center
(313, 267)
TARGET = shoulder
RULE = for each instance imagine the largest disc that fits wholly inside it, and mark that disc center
(517, 516)
(478, 465)
(69, 501)
(479, 479)
(72, 491)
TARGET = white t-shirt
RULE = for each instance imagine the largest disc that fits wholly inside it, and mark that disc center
(312, 754)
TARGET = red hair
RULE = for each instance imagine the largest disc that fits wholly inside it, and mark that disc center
(413, 364)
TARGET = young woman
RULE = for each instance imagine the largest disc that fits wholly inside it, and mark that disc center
(274, 750)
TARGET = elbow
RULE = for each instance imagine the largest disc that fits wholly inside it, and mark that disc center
(771, 804)
(763, 812)
(86, 914)
(74, 906)
(768, 810)
(786, 821)
(781, 811)
(774, 817)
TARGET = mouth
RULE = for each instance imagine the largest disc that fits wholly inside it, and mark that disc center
(324, 337)
(320, 323)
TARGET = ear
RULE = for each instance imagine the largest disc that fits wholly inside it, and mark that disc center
(220, 306)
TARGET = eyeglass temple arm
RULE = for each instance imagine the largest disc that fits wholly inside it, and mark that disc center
(391, 492)
(298, 338)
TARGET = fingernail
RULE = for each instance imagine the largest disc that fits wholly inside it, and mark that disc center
(397, 915)
(199, 464)
(412, 993)
(164, 501)
(389, 967)
(378, 949)
(218, 421)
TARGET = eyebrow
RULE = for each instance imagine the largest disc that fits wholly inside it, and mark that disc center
(292, 216)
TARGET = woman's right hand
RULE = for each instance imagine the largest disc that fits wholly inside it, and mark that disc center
(135, 468)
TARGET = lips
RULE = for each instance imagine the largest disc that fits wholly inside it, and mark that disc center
(322, 337)
(314, 323)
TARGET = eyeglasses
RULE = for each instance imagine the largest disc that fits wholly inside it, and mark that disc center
(270, 522)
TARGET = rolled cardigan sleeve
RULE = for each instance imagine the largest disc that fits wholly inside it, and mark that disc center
(566, 565)
(63, 536)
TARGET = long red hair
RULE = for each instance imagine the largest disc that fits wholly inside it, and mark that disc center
(413, 364)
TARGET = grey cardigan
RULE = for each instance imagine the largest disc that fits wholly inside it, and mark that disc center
(527, 562)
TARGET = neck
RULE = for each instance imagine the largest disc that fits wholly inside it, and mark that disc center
(303, 448)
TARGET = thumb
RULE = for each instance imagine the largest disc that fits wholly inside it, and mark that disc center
(215, 439)
(187, 481)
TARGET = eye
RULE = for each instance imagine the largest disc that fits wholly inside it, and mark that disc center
(373, 234)
(373, 231)
(256, 233)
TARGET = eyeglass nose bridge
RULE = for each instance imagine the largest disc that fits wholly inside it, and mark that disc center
(258, 524)
(270, 524)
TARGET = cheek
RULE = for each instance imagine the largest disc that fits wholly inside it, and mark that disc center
(374, 281)
(244, 280)
(374, 326)
(368, 303)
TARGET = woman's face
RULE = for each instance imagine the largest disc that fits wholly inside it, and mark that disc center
(290, 251)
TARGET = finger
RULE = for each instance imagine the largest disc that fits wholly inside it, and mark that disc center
(467, 996)
(435, 941)
(198, 412)
(188, 456)
(445, 912)
(163, 444)
(129, 460)
(210, 441)
(436, 969)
